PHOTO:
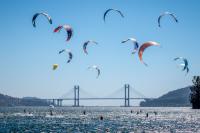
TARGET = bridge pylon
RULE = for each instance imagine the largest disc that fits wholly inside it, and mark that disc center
(127, 95)
(76, 96)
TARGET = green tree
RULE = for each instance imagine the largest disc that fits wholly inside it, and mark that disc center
(195, 93)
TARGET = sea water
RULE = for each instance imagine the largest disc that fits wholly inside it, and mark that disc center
(115, 120)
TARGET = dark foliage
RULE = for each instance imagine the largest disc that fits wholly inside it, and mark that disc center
(195, 93)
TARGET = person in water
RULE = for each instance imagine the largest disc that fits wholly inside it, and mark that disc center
(51, 112)
(131, 111)
(101, 117)
(84, 112)
(24, 111)
(147, 115)
(137, 113)
(155, 113)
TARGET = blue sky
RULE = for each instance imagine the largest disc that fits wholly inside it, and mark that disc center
(27, 53)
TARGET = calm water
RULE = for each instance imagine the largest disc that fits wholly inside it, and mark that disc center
(115, 119)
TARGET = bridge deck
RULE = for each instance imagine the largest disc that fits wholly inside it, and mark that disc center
(105, 98)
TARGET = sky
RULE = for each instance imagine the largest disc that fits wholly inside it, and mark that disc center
(27, 53)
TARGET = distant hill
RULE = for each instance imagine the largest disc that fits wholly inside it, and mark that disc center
(6, 101)
(176, 98)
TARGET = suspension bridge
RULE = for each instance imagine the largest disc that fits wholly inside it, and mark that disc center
(77, 98)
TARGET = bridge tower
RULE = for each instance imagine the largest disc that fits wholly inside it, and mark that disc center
(54, 103)
(127, 95)
(76, 96)
(59, 102)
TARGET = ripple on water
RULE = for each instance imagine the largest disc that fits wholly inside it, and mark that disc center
(115, 119)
